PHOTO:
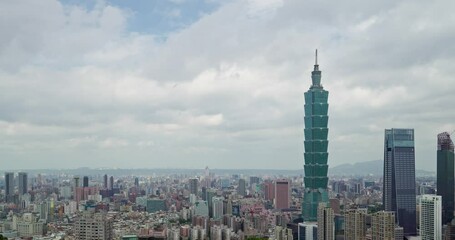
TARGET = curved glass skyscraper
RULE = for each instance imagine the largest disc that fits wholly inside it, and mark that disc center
(315, 144)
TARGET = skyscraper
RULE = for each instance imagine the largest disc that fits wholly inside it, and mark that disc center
(269, 190)
(326, 224)
(111, 183)
(23, 183)
(241, 189)
(399, 178)
(207, 178)
(75, 186)
(315, 145)
(430, 217)
(193, 182)
(282, 194)
(9, 186)
(105, 181)
(217, 205)
(211, 193)
(85, 181)
(445, 175)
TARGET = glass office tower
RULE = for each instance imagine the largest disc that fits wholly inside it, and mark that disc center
(315, 145)
(399, 192)
(445, 175)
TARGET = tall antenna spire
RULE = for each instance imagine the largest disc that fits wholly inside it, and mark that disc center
(316, 73)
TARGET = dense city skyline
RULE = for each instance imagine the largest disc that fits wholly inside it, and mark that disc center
(192, 84)
(198, 120)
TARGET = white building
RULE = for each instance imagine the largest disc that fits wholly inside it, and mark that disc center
(29, 226)
(307, 231)
(430, 217)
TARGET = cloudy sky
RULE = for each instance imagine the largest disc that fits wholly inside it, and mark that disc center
(192, 83)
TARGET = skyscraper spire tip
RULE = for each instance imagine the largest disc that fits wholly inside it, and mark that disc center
(316, 58)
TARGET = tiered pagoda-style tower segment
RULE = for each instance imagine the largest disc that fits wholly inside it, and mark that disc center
(315, 144)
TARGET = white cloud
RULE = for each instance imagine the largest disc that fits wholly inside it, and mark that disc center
(227, 88)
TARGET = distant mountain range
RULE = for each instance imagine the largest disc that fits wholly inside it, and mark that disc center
(367, 168)
(356, 169)
(360, 168)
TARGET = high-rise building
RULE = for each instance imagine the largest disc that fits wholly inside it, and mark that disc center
(335, 205)
(204, 193)
(23, 183)
(193, 182)
(326, 223)
(217, 204)
(105, 181)
(85, 181)
(211, 193)
(228, 208)
(355, 224)
(430, 217)
(315, 145)
(269, 190)
(93, 226)
(76, 182)
(111, 183)
(282, 194)
(307, 231)
(445, 176)
(9, 186)
(75, 186)
(383, 226)
(399, 191)
(241, 189)
(207, 179)
(136, 182)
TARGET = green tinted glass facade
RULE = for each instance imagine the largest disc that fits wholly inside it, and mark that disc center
(315, 146)
(445, 175)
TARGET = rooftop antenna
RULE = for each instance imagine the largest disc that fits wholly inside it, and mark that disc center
(316, 58)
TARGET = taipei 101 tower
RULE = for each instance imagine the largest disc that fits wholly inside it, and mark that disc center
(315, 145)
